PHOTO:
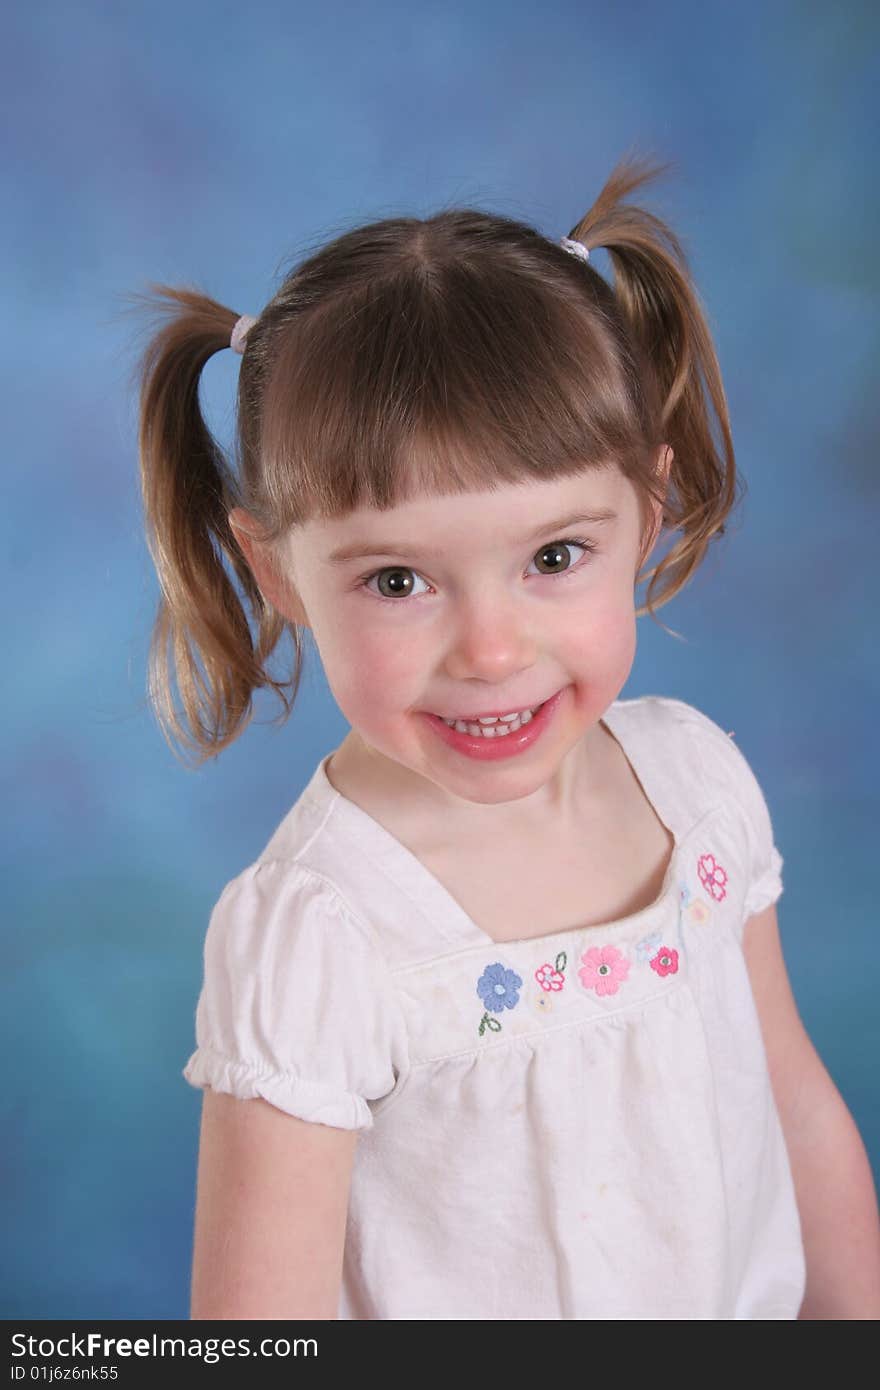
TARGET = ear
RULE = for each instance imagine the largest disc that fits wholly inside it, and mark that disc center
(662, 469)
(274, 586)
(664, 461)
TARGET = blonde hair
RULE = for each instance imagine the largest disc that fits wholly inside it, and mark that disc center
(461, 352)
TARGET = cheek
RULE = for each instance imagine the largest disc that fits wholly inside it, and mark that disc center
(600, 632)
(620, 645)
(601, 648)
(372, 667)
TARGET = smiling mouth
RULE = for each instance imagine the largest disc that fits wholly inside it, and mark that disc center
(492, 725)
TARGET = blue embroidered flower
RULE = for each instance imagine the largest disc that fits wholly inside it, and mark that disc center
(648, 944)
(499, 988)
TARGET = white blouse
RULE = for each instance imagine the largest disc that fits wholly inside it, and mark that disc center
(573, 1126)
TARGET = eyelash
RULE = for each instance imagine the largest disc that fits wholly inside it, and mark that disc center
(590, 546)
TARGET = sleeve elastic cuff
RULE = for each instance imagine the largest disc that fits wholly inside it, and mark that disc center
(766, 889)
(306, 1100)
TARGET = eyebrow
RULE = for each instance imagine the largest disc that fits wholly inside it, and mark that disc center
(377, 548)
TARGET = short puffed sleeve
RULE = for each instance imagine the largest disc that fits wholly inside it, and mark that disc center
(297, 1005)
(725, 765)
(765, 878)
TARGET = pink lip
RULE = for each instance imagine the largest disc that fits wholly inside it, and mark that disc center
(508, 745)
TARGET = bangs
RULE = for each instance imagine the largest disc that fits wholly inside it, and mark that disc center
(441, 379)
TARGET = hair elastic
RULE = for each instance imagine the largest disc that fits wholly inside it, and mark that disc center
(240, 331)
(576, 248)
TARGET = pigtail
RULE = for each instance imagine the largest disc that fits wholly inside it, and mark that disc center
(201, 628)
(668, 330)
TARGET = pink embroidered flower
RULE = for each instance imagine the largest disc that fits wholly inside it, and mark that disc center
(698, 912)
(549, 978)
(604, 969)
(666, 961)
(712, 877)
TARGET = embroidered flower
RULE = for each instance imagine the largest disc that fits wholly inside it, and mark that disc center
(648, 945)
(698, 912)
(544, 1003)
(552, 977)
(603, 969)
(499, 989)
(666, 961)
(712, 877)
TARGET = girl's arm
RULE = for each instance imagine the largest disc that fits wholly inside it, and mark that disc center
(833, 1182)
(271, 1208)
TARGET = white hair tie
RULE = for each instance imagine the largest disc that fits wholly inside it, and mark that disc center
(576, 248)
(240, 331)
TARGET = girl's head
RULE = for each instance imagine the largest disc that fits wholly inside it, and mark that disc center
(441, 394)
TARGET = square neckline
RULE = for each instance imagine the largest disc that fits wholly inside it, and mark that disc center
(442, 908)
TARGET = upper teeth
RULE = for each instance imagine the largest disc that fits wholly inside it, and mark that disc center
(485, 724)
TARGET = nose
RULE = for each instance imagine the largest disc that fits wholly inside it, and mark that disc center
(492, 639)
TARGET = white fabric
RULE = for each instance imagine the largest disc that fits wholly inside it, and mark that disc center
(582, 1154)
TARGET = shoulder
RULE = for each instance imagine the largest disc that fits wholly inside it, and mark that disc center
(722, 761)
(691, 753)
(688, 733)
(674, 718)
(698, 753)
(297, 1004)
(276, 908)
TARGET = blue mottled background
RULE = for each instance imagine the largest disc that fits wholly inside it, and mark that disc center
(210, 143)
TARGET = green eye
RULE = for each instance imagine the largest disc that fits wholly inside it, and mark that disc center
(556, 553)
(397, 582)
(394, 583)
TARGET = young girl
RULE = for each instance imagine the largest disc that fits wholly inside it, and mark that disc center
(497, 1024)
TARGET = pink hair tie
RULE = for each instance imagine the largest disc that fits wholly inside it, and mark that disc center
(240, 331)
(576, 248)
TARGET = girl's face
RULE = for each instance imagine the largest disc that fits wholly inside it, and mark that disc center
(475, 604)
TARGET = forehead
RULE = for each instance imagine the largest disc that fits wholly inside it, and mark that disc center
(452, 524)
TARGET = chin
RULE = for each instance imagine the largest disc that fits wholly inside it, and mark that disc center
(506, 784)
